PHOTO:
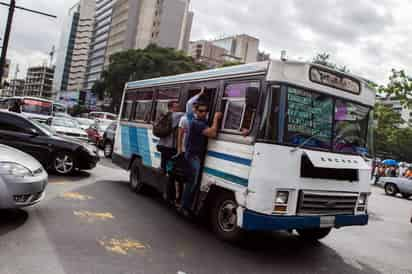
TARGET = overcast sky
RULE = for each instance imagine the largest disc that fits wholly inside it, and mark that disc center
(369, 37)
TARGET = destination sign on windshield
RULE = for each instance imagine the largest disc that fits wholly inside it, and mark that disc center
(335, 80)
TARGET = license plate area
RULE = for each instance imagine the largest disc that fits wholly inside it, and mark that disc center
(327, 221)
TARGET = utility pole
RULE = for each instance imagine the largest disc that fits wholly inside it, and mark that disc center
(12, 6)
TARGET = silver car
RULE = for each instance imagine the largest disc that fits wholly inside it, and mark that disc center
(395, 185)
(22, 179)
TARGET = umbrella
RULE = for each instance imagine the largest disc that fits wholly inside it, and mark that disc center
(390, 162)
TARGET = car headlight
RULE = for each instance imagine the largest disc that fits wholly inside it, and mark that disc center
(10, 168)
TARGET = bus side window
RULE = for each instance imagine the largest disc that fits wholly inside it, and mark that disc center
(143, 110)
(127, 110)
(238, 113)
(163, 97)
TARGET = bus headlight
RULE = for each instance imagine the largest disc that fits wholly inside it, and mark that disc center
(362, 201)
(281, 202)
(282, 197)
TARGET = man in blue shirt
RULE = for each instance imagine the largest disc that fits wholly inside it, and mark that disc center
(199, 132)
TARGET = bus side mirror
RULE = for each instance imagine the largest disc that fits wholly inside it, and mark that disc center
(252, 97)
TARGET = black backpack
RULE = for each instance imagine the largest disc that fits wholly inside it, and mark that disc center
(164, 126)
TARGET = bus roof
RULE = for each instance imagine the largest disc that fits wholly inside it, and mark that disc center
(29, 98)
(213, 74)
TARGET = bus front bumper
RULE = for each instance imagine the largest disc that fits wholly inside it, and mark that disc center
(261, 222)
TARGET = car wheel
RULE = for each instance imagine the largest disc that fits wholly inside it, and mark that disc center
(314, 234)
(135, 182)
(224, 218)
(108, 149)
(391, 189)
(64, 163)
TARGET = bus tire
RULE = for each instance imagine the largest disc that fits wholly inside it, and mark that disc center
(223, 217)
(314, 234)
(135, 182)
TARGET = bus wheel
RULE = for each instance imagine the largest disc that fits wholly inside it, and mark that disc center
(135, 182)
(224, 218)
(314, 234)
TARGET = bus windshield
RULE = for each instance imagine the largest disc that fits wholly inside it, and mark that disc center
(324, 122)
(37, 107)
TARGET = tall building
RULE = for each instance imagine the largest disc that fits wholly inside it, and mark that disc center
(39, 82)
(6, 71)
(134, 24)
(207, 53)
(81, 45)
(396, 105)
(138, 23)
(102, 23)
(65, 49)
(242, 48)
(16, 87)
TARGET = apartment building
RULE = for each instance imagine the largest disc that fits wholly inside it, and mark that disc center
(396, 105)
(39, 82)
(81, 48)
(241, 48)
(102, 25)
(138, 23)
(65, 49)
(207, 53)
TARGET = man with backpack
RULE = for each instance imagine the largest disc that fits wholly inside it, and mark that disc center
(165, 129)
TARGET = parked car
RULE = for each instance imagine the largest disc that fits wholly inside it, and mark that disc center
(102, 115)
(84, 123)
(108, 139)
(96, 131)
(22, 179)
(69, 127)
(395, 185)
(55, 152)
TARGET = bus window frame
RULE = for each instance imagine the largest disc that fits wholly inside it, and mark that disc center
(132, 117)
(179, 88)
(283, 108)
(258, 112)
(131, 111)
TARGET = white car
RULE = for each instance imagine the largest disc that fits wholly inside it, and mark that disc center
(395, 185)
(69, 127)
(84, 123)
(22, 179)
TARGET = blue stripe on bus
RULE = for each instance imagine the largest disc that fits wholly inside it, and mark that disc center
(231, 158)
(226, 176)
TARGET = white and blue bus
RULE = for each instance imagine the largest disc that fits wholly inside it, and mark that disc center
(302, 165)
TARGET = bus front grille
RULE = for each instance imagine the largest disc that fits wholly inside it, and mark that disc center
(326, 203)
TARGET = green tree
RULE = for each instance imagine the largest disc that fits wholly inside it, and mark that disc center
(230, 63)
(399, 86)
(324, 60)
(133, 65)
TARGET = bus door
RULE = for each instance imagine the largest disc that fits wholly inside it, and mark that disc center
(210, 92)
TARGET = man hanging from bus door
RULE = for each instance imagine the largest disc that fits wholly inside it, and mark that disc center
(167, 144)
(183, 130)
(199, 132)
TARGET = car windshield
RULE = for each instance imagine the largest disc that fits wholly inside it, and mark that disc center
(323, 122)
(103, 125)
(44, 128)
(85, 122)
(70, 123)
(37, 107)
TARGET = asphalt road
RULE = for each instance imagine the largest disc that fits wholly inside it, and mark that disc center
(92, 223)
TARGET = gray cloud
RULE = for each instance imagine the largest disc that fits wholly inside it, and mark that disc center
(368, 36)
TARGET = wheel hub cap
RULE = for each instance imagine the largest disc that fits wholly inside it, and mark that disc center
(64, 164)
(227, 216)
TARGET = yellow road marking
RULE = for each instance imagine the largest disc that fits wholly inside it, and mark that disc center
(121, 246)
(93, 216)
(76, 196)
